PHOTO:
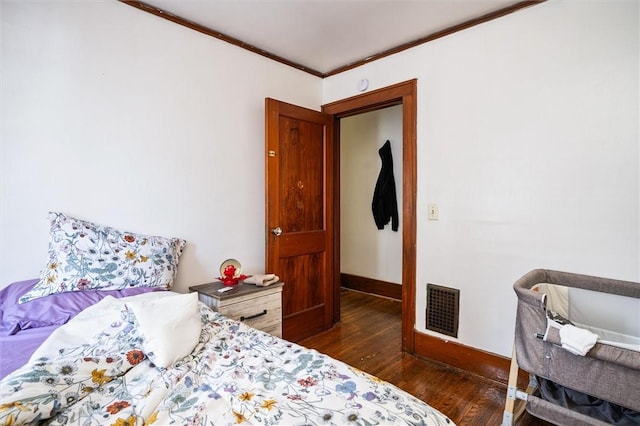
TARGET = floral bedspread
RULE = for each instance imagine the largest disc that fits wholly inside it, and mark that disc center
(235, 375)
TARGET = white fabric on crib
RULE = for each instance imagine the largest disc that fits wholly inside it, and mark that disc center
(576, 340)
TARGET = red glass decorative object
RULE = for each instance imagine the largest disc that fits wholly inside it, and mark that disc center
(231, 272)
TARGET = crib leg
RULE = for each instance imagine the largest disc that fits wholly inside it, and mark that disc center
(510, 415)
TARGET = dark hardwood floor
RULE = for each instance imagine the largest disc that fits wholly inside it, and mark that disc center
(368, 337)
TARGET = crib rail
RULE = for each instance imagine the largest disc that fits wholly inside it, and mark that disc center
(568, 279)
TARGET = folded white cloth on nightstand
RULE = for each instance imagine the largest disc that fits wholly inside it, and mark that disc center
(262, 280)
(576, 340)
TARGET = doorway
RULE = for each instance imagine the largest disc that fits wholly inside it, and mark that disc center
(371, 253)
(404, 94)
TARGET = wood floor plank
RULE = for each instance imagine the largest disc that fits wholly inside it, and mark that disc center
(369, 338)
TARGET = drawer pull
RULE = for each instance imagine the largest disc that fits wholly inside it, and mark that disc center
(264, 312)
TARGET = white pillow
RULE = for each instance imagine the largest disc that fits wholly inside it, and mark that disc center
(171, 327)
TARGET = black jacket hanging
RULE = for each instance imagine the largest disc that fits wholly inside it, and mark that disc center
(385, 204)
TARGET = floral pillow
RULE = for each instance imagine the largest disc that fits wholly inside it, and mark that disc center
(87, 256)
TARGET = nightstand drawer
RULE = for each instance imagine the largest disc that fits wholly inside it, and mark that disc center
(258, 307)
(258, 312)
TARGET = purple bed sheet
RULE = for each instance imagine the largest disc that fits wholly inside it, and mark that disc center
(16, 349)
(25, 326)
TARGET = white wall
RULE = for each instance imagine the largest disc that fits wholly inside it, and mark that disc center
(119, 117)
(528, 140)
(364, 250)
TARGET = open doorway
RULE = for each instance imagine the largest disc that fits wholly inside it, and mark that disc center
(371, 257)
(404, 94)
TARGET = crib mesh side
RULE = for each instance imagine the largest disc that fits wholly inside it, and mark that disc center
(606, 379)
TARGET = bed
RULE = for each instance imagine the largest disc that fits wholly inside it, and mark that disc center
(133, 352)
(583, 369)
(110, 365)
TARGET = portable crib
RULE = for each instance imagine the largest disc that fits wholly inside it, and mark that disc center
(608, 375)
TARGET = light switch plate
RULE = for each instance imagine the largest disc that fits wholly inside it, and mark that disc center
(434, 212)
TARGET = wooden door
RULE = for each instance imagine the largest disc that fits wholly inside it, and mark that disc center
(299, 216)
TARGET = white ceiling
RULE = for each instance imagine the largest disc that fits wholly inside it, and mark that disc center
(325, 35)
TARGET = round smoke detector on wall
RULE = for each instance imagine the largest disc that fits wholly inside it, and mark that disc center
(363, 85)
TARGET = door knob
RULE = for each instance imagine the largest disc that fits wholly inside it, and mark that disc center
(276, 231)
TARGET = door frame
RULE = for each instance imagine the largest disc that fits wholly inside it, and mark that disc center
(404, 94)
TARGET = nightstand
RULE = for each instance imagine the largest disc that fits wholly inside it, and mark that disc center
(258, 307)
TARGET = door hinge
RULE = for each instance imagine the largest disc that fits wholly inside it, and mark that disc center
(272, 153)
